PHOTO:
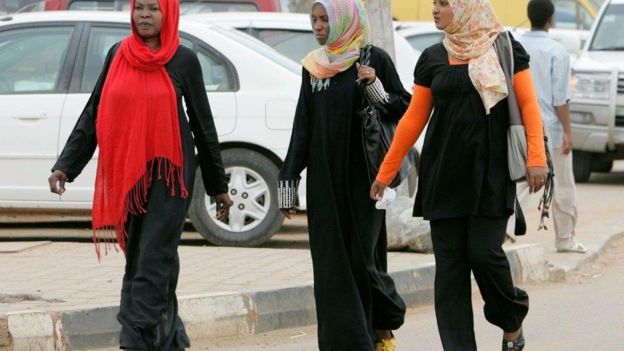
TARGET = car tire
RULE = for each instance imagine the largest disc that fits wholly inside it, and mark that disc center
(602, 166)
(581, 165)
(253, 219)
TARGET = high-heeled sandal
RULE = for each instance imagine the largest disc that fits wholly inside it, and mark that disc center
(516, 345)
(386, 344)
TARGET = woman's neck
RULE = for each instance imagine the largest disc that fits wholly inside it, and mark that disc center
(152, 43)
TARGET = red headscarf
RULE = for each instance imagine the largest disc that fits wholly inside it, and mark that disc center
(137, 128)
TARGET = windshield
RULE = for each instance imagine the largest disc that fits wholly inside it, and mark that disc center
(609, 32)
(260, 48)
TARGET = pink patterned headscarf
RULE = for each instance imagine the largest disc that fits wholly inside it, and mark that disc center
(348, 32)
(470, 37)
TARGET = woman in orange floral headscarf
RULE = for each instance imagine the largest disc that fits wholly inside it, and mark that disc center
(465, 189)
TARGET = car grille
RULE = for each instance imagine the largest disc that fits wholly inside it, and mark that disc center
(621, 85)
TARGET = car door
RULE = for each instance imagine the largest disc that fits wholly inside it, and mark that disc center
(97, 40)
(34, 77)
(220, 82)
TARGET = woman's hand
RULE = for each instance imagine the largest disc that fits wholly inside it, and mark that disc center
(536, 177)
(377, 190)
(365, 74)
(223, 206)
(286, 213)
(57, 182)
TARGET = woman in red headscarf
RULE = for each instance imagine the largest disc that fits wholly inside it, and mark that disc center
(146, 166)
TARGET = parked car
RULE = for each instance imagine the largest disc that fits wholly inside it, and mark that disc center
(597, 106)
(291, 35)
(49, 63)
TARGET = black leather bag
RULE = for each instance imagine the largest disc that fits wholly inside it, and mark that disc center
(377, 133)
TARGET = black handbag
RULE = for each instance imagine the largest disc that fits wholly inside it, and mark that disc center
(378, 132)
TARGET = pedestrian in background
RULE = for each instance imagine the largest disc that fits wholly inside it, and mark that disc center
(465, 188)
(146, 167)
(357, 303)
(550, 68)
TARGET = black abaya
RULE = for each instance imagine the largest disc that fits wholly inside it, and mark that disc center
(354, 294)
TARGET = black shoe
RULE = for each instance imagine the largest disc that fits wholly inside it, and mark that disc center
(516, 345)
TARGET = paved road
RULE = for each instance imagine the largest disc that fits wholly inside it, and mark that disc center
(585, 313)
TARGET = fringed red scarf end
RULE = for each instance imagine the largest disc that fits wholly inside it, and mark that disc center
(136, 201)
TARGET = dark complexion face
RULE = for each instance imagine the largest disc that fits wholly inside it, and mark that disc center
(442, 14)
(147, 19)
(320, 23)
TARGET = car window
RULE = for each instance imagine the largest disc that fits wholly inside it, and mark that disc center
(214, 71)
(290, 43)
(585, 18)
(100, 41)
(97, 5)
(565, 14)
(187, 8)
(422, 41)
(608, 35)
(31, 59)
(261, 48)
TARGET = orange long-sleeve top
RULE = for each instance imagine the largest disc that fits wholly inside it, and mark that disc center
(417, 115)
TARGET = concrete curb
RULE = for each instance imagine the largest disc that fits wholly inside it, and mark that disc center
(232, 314)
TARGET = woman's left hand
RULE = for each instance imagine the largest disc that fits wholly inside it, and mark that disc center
(365, 74)
(536, 177)
(223, 206)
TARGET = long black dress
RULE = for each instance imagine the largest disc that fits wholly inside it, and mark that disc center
(148, 310)
(354, 294)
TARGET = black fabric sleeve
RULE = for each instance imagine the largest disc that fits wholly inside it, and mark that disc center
(422, 72)
(202, 124)
(521, 57)
(399, 98)
(82, 141)
(297, 157)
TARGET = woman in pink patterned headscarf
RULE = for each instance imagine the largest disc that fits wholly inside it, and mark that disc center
(357, 305)
(465, 188)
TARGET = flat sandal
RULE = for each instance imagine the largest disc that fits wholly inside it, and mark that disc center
(516, 345)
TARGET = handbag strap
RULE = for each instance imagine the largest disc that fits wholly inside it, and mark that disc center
(365, 54)
(504, 51)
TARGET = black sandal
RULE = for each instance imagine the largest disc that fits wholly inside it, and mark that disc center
(516, 345)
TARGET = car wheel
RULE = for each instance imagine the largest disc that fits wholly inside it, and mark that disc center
(255, 215)
(581, 165)
(602, 166)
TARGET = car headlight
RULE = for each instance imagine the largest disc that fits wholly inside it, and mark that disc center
(592, 86)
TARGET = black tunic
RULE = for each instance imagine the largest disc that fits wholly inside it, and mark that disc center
(354, 294)
(148, 309)
(463, 168)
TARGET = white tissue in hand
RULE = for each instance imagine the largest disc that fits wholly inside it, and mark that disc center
(388, 198)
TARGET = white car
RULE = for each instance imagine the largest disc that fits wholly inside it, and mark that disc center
(420, 35)
(597, 105)
(49, 63)
(291, 35)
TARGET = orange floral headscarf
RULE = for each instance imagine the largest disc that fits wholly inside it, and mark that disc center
(470, 37)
